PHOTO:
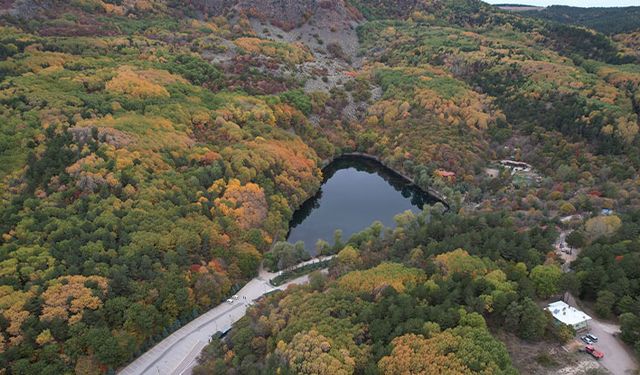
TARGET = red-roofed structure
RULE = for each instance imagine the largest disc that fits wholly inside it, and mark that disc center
(447, 175)
(195, 268)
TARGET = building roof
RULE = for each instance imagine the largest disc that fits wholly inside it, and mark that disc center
(443, 173)
(567, 314)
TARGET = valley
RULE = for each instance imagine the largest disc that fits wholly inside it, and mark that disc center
(159, 157)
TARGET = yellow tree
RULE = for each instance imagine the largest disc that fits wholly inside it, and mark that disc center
(12, 304)
(459, 261)
(68, 296)
(602, 226)
(413, 354)
(245, 203)
(382, 276)
(312, 353)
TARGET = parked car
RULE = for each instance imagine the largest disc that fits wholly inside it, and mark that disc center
(235, 296)
(586, 340)
(592, 337)
(230, 301)
(595, 353)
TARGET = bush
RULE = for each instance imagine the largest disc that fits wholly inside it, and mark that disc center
(285, 255)
(562, 332)
(546, 360)
(335, 50)
(289, 275)
(567, 208)
(298, 99)
(193, 68)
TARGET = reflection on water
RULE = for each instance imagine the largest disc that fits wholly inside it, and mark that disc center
(356, 191)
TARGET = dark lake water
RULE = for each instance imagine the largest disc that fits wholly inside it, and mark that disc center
(356, 191)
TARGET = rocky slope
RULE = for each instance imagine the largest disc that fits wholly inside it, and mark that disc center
(286, 14)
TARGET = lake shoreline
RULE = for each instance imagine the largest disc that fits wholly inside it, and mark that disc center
(429, 190)
(371, 164)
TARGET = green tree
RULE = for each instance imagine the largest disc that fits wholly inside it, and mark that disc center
(105, 347)
(349, 257)
(576, 239)
(194, 68)
(142, 320)
(317, 280)
(546, 280)
(298, 99)
(605, 303)
(323, 247)
(570, 282)
(630, 328)
(526, 319)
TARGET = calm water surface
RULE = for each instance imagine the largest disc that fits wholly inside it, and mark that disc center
(356, 192)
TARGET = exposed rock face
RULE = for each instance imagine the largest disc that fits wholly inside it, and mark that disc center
(114, 137)
(27, 8)
(285, 14)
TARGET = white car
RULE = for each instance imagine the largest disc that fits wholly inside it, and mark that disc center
(230, 301)
(235, 297)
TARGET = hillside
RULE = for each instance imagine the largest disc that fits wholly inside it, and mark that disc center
(609, 21)
(153, 151)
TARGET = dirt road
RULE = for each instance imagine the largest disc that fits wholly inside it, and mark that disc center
(566, 253)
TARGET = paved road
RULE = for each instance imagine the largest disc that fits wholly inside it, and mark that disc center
(177, 354)
(618, 358)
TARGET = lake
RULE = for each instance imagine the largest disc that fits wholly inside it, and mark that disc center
(356, 191)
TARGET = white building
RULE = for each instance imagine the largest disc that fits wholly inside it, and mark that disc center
(569, 315)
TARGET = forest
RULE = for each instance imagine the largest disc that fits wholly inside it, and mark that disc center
(152, 153)
(398, 301)
(614, 20)
(609, 274)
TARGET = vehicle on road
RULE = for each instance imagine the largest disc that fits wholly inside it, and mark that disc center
(230, 301)
(592, 337)
(235, 296)
(587, 340)
(595, 353)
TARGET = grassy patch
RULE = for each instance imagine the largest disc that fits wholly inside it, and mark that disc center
(545, 360)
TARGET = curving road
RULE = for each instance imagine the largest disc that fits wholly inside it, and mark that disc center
(177, 354)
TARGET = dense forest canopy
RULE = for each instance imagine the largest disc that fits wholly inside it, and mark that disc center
(400, 302)
(152, 152)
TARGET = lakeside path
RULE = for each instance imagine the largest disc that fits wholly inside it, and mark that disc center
(178, 352)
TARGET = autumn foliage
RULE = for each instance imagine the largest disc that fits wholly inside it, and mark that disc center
(385, 275)
(245, 203)
(68, 297)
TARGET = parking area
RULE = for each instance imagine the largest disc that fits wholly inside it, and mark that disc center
(618, 359)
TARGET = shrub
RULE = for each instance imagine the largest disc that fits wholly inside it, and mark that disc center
(298, 99)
